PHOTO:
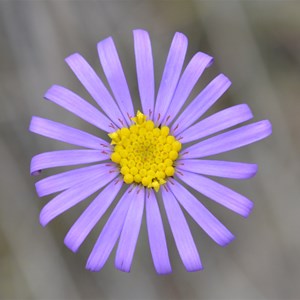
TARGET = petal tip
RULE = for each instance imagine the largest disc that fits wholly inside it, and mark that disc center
(139, 31)
(210, 63)
(268, 127)
(68, 58)
(40, 191)
(93, 264)
(226, 241)
(202, 55)
(91, 268)
(108, 40)
(122, 268)
(195, 268)
(72, 58)
(248, 210)
(254, 171)
(53, 89)
(35, 172)
(70, 243)
(164, 271)
(32, 123)
(182, 37)
(224, 78)
(44, 218)
(245, 109)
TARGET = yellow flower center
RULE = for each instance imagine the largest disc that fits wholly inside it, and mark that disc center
(145, 153)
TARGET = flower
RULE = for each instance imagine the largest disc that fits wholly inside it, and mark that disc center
(147, 153)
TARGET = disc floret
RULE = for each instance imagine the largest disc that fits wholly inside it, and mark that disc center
(145, 153)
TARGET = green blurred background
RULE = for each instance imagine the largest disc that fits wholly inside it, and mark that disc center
(255, 43)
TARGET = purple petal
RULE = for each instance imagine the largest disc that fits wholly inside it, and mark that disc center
(109, 234)
(230, 140)
(67, 134)
(181, 232)
(62, 181)
(219, 121)
(130, 232)
(72, 196)
(65, 158)
(78, 106)
(215, 89)
(91, 216)
(144, 70)
(157, 238)
(170, 75)
(189, 78)
(205, 219)
(218, 168)
(114, 73)
(218, 193)
(93, 84)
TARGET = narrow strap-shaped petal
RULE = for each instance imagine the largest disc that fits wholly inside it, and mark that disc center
(157, 238)
(170, 76)
(230, 140)
(115, 76)
(205, 219)
(181, 232)
(221, 120)
(189, 78)
(218, 193)
(91, 216)
(65, 158)
(73, 196)
(227, 169)
(109, 234)
(93, 84)
(207, 97)
(130, 232)
(78, 106)
(67, 134)
(144, 70)
(64, 180)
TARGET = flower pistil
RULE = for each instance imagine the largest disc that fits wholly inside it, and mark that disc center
(144, 152)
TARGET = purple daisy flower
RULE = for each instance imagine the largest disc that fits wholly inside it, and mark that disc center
(147, 156)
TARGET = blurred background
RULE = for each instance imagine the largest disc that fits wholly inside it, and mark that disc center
(255, 43)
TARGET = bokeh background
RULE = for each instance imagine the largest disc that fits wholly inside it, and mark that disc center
(255, 43)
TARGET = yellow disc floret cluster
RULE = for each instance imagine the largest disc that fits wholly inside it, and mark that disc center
(145, 153)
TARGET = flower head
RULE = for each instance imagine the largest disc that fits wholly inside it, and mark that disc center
(147, 152)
